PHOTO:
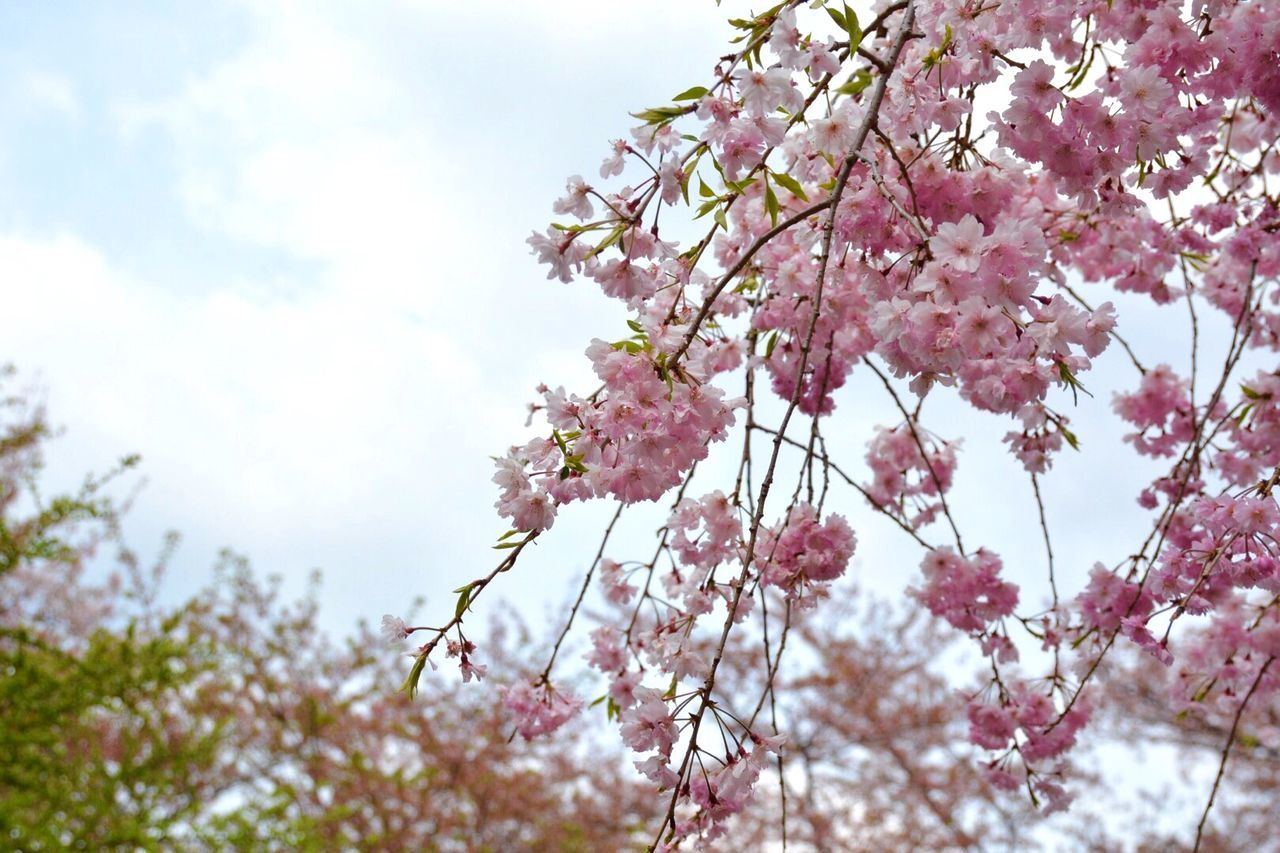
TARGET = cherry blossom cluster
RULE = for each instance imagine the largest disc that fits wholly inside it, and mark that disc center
(1254, 434)
(802, 551)
(1230, 663)
(633, 439)
(1160, 409)
(966, 591)
(910, 472)
(1042, 435)
(1026, 725)
(539, 709)
(948, 198)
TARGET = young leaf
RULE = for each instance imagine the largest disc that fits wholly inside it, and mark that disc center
(659, 115)
(691, 94)
(410, 685)
(791, 185)
(852, 28)
(464, 595)
(614, 236)
(856, 83)
(771, 203)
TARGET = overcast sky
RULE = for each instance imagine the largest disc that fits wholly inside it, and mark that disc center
(278, 250)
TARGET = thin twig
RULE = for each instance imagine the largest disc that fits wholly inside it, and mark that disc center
(1226, 752)
(837, 191)
(582, 593)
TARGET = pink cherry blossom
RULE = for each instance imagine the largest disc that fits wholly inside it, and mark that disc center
(539, 708)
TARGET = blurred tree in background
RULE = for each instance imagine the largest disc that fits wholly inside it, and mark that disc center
(231, 722)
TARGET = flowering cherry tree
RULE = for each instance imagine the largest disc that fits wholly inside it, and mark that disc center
(950, 198)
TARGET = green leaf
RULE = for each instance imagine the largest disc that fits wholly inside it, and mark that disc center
(704, 190)
(791, 185)
(464, 592)
(1070, 437)
(771, 203)
(614, 236)
(693, 93)
(1078, 77)
(852, 28)
(837, 16)
(856, 84)
(773, 342)
(720, 218)
(410, 685)
(1250, 393)
(1071, 381)
(659, 115)
(934, 56)
(706, 207)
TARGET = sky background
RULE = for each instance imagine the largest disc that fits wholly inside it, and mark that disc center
(278, 250)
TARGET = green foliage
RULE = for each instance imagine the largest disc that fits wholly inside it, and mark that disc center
(92, 754)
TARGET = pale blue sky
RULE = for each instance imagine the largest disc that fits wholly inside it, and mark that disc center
(278, 249)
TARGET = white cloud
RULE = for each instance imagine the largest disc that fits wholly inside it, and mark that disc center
(296, 395)
(303, 431)
(299, 142)
(49, 92)
(342, 417)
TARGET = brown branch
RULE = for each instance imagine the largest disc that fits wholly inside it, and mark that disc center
(582, 593)
(828, 230)
(1226, 752)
